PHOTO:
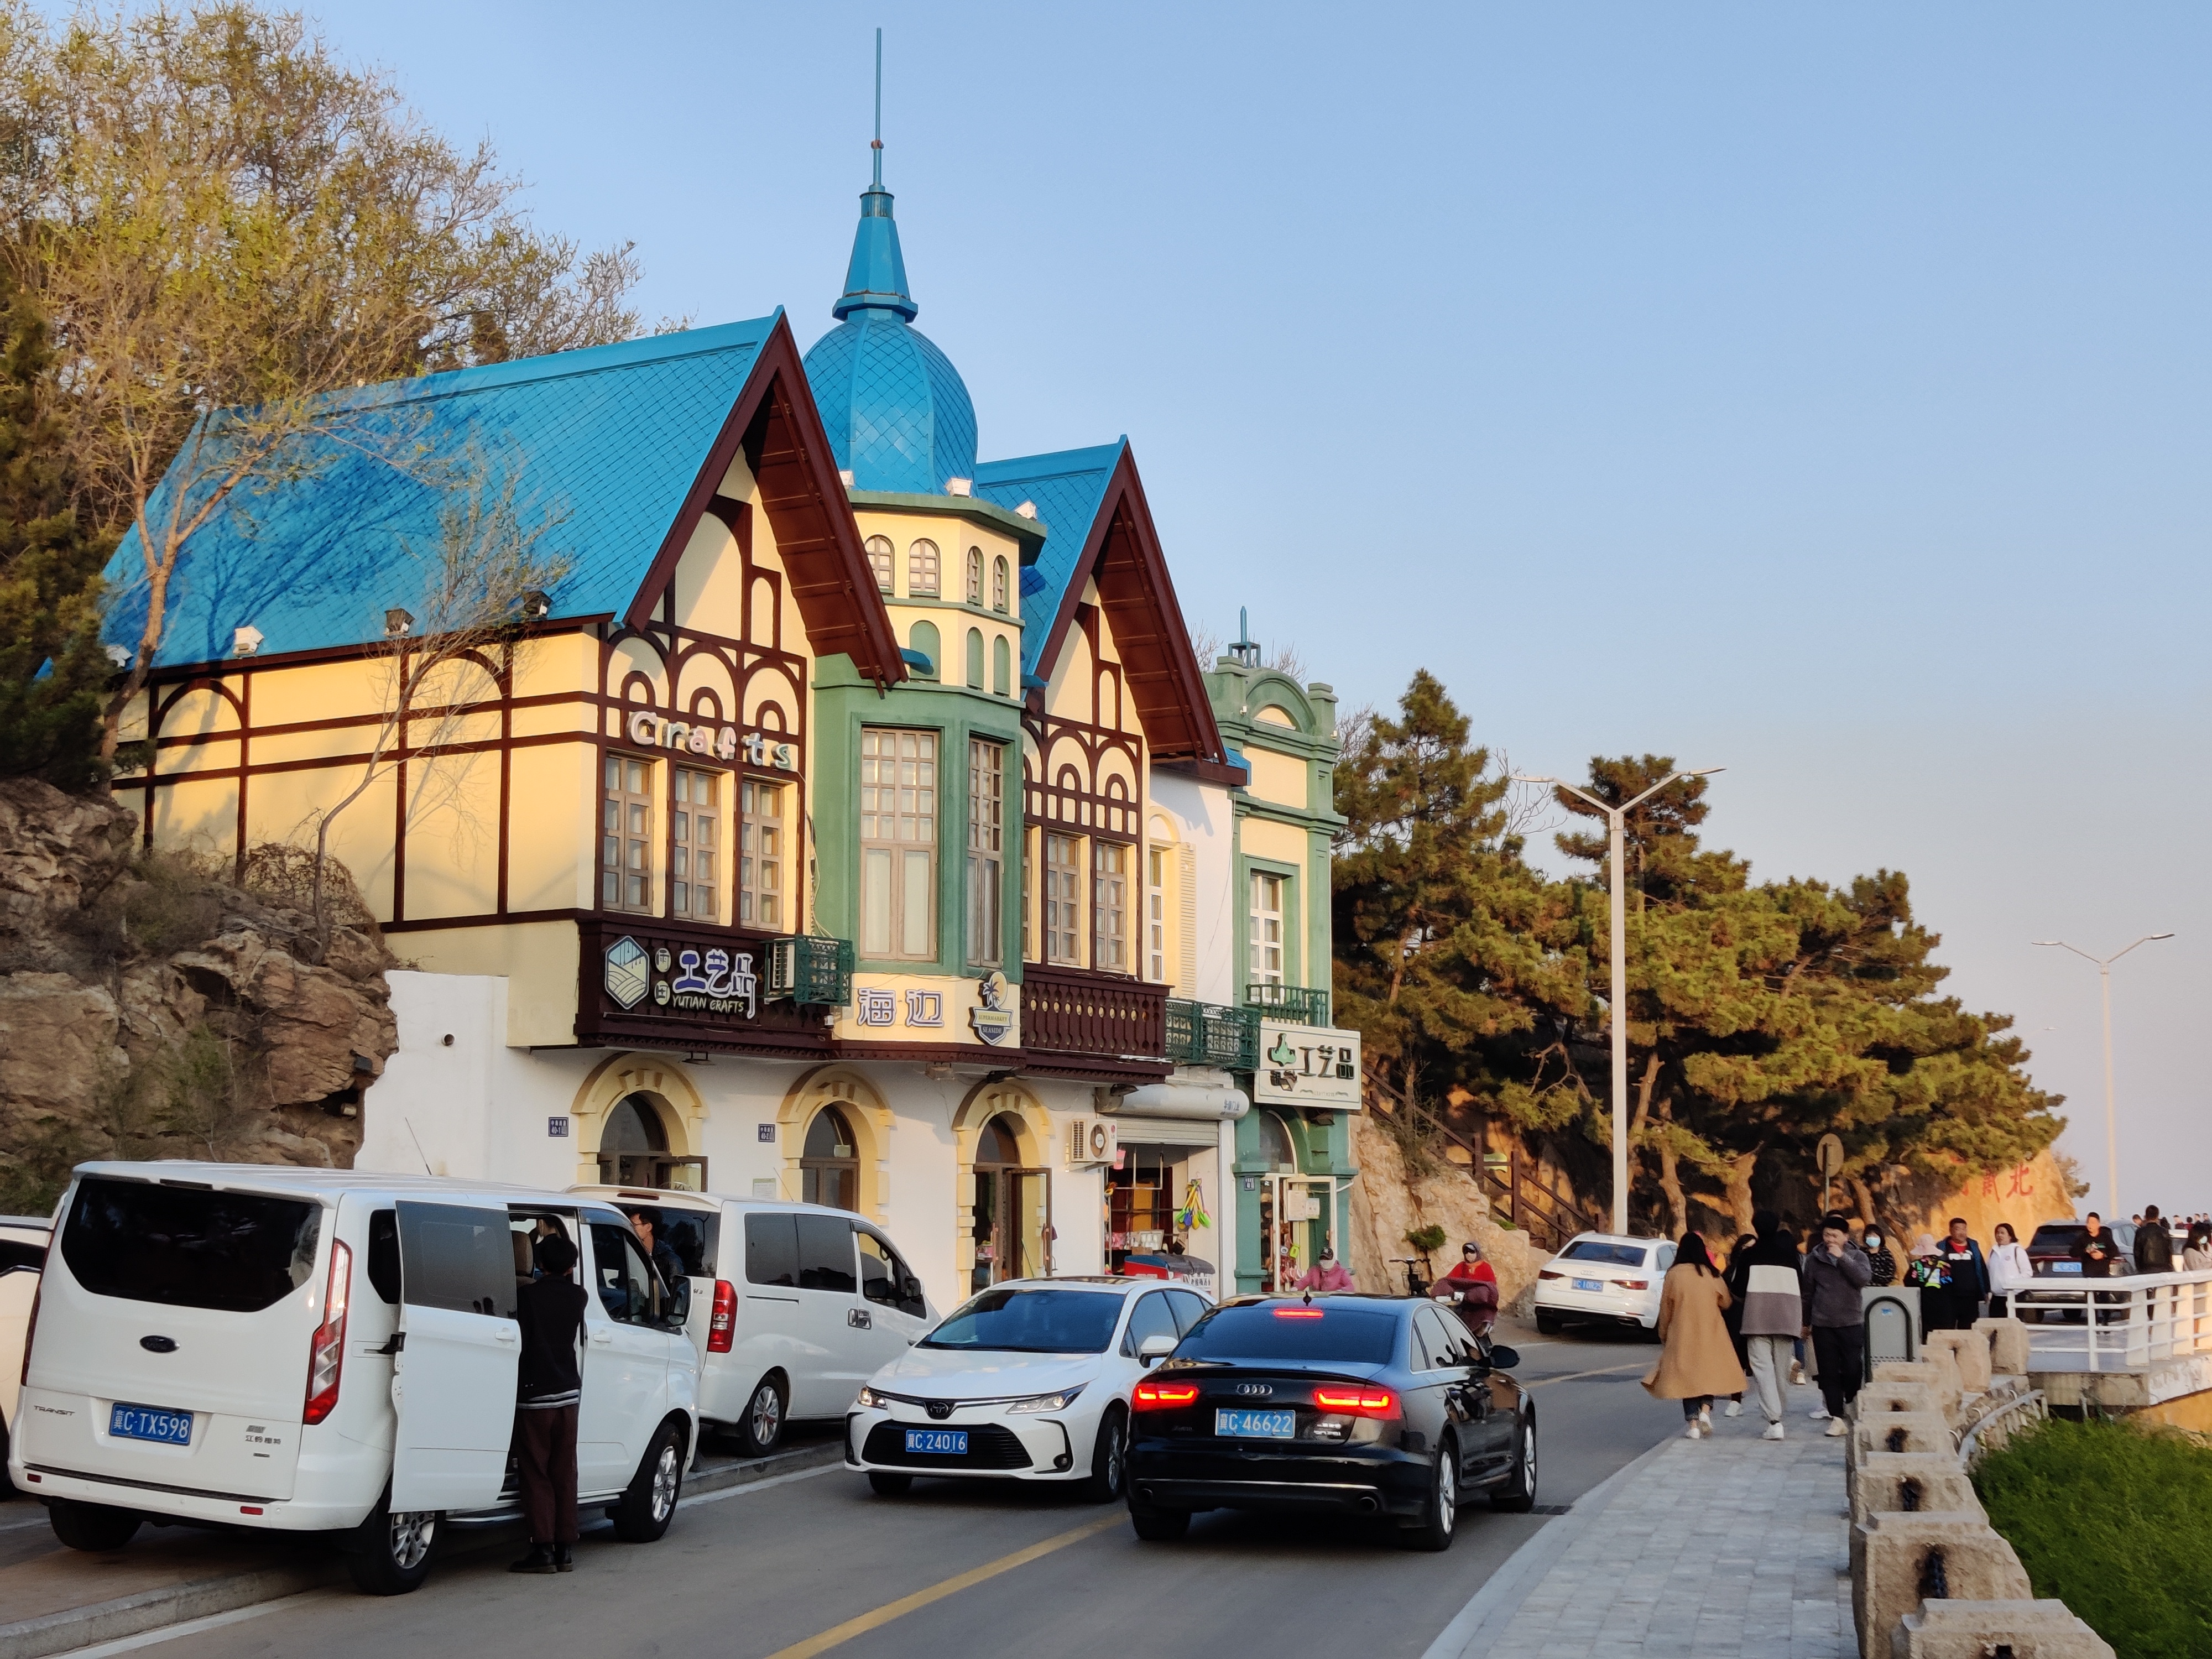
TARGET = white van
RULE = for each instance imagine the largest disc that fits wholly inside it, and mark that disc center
(330, 1350)
(808, 1304)
(23, 1241)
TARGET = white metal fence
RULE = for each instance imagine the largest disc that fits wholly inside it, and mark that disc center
(2116, 1324)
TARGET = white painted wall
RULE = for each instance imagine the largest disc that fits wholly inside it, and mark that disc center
(1202, 817)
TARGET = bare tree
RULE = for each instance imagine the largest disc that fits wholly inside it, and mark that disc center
(1531, 809)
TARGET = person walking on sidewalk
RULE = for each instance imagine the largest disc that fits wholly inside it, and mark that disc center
(1836, 1270)
(2153, 1243)
(2010, 1271)
(549, 1388)
(1739, 1269)
(1970, 1279)
(1773, 1312)
(1696, 1359)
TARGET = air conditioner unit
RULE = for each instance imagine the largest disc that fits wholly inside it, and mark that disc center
(1093, 1140)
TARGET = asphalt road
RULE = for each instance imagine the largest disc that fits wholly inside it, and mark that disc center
(816, 1563)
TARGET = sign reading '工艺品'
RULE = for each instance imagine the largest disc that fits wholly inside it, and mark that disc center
(1307, 1065)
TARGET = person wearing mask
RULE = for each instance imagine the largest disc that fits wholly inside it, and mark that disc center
(1879, 1260)
(2153, 1244)
(1325, 1275)
(1471, 1288)
(1773, 1312)
(549, 1388)
(1835, 1272)
(2197, 1254)
(1970, 1279)
(1696, 1359)
(2010, 1271)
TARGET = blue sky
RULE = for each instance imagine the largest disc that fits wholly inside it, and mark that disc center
(1820, 392)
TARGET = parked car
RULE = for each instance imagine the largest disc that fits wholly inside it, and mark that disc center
(23, 1241)
(1341, 1404)
(806, 1303)
(1028, 1380)
(327, 1350)
(1603, 1279)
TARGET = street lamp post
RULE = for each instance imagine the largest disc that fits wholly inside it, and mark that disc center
(2112, 1121)
(1617, 1013)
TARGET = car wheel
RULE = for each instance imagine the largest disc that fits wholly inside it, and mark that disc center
(1108, 1460)
(1517, 1496)
(1160, 1526)
(649, 1504)
(1547, 1325)
(93, 1527)
(760, 1430)
(1440, 1516)
(389, 1552)
(887, 1485)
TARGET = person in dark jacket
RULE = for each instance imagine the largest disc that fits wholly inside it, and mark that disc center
(1738, 1270)
(1834, 1273)
(2098, 1251)
(2153, 1243)
(549, 1388)
(1879, 1257)
(1970, 1279)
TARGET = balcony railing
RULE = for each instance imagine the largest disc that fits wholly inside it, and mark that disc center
(812, 970)
(1071, 1011)
(1206, 1034)
(1293, 1004)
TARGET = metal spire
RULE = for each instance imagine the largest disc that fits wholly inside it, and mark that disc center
(877, 147)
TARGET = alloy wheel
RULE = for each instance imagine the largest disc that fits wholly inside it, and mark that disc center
(1447, 1491)
(665, 1476)
(1114, 1448)
(767, 1414)
(1528, 1459)
(412, 1533)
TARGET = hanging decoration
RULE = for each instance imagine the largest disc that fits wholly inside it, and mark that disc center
(1192, 1214)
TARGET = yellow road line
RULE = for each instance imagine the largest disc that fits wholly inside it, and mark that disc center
(876, 1620)
(1576, 1376)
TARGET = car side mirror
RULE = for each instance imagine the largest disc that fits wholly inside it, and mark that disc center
(1157, 1347)
(910, 1289)
(679, 1304)
(1503, 1358)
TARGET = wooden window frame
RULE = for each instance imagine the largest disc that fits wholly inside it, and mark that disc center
(689, 848)
(921, 552)
(654, 832)
(1101, 846)
(987, 845)
(901, 849)
(747, 895)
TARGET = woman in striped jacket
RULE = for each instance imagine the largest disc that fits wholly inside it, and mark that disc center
(1773, 1311)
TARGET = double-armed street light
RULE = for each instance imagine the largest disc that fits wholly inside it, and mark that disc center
(2112, 1128)
(1617, 1013)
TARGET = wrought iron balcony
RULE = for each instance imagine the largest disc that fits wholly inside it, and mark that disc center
(812, 970)
(1294, 1004)
(1072, 1017)
(1206, 1034)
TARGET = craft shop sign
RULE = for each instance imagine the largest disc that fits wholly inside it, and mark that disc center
(650, 731)
(1307, 1065)
(682, 978)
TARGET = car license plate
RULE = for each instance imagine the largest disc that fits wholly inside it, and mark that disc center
(149, 1423)
(2066, 1266)
(1255, 1425)
(937, 1442)
(1590, 1284)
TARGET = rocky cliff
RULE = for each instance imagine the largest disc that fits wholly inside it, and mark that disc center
(1387, 1205)
(152, 1006)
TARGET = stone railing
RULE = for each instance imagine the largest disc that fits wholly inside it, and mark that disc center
(1930, 1578)
(2140, 1320)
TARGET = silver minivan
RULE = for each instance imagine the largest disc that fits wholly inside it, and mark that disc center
(807, 1303)
(332, 1350)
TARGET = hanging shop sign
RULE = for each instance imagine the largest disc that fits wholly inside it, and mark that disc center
(652, 731)
(1307, 1065)
(903, 1007)
(682, 978)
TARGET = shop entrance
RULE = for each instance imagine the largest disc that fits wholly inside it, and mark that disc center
(828, 1165)
(1294, 1217)
(1013, 1208)
(634, 1150)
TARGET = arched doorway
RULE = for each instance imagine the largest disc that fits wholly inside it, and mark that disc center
(1012, 1206)
(633, 1149)
(829, 1166)
(1294, 1209)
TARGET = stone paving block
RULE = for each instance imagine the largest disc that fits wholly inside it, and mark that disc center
(1970, 1350)
(1891, 1397)
(1974, 1630)
(1880, 1483)
(1899, 1560)
(1902, 1431)
(2008, 1345)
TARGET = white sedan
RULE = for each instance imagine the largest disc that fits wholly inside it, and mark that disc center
(1028, 1380)
(1603, 1279)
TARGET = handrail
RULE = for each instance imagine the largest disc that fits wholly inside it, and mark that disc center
(1560, 1218)
(2128, 1321)
(1970, 1449)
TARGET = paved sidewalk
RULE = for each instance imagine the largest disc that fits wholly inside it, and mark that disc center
(1733, 1548)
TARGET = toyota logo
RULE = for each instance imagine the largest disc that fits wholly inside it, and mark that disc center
(938, 1410)
(1255, 1389)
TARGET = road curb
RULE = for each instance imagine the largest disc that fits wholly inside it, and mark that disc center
(1478, 1626)
(173, 1604)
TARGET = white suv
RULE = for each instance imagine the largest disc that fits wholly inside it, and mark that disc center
(330, 1350)
(794, 1305)
(1603, 1279)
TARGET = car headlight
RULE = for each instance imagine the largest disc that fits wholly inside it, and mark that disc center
(1046, 1402)
(870, 1399)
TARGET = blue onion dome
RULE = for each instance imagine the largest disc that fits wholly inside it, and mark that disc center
(898, 414)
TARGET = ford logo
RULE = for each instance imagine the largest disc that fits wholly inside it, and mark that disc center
(1255, 1389)
(158, 1344)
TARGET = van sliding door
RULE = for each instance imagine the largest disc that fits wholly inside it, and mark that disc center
(453, 1381)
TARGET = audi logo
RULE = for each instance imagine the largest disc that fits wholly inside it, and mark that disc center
(1255, 1389)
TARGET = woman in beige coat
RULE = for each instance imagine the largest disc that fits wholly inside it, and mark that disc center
(1696, 1359)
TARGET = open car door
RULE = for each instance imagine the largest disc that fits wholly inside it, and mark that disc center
(453, 1382)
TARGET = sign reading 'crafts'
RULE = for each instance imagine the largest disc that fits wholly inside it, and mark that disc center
(685, 978)
(1307, 1065)
(716, 743)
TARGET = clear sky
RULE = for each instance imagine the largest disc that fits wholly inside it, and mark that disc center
(1821, 391)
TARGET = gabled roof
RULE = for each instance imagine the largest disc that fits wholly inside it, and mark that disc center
(1097, 526)
(615, 449)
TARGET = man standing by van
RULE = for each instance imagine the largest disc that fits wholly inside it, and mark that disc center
(549, 1387)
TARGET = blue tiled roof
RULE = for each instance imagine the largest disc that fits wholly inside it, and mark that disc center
(602, 445)
(1068, 487)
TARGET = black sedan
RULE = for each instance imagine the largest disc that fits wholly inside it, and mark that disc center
(1353, 1405)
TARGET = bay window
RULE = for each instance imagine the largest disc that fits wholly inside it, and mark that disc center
(987, 793)
(898, 844)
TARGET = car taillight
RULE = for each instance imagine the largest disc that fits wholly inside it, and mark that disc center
(1633, 1284)
(1545, 1272)
(1359, 1402)
(722, 1323)
(1298, 1313)
(326, 1353)
(30, 1331)
(1164, 1396)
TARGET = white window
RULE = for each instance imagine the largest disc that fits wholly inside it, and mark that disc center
(626, 832)
(1156, 916)
(1001, 583)
(760, 856)
(1266, 958)
(1109, 905)
(975, 588)
(1063, 900)
(898, 843)
(880, 555)
(986, 772)
(694, 844)
(922, 570)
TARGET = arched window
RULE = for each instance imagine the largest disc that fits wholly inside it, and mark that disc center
(880, 554)
(1275, 1142)
(999, 1145)
(975, 589)
(922, 570)
(1000, 586)
(1012, 1207)
(830, 1162)
(633, 1149)
(975, 658)
(1001, 666)
(923, 638)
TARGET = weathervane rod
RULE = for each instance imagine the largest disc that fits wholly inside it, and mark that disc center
(877, 147)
